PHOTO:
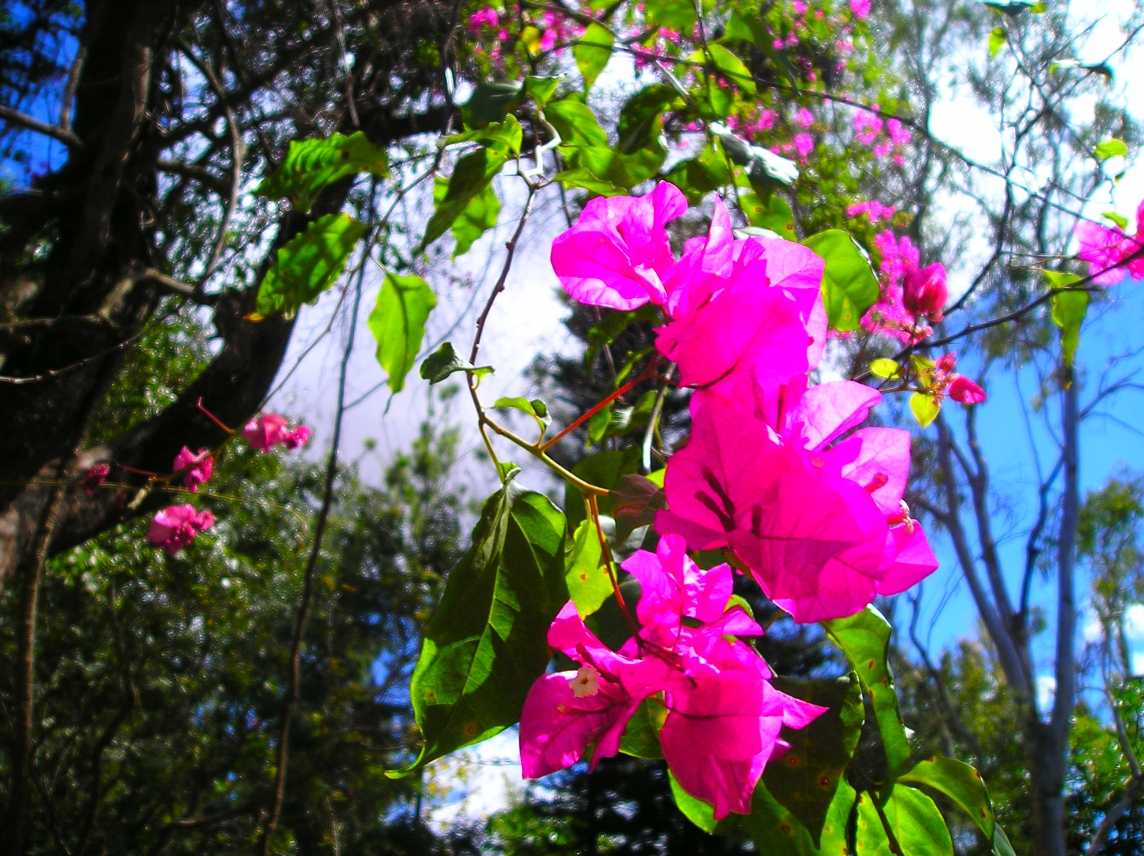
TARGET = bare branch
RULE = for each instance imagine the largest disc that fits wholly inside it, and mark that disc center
(64, 135)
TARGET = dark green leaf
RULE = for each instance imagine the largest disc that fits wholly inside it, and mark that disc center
(776, 832)
(641, 119)
(914, 819)
(1069, 311)
(585, 572)
(541, 89)
(398, 324)
(748, 28)
(491, 102)
(444, 361)
(635, 500)
(600, 161)
(312, 165)
(603, 470)
(676, 15)
(593, 51)
(849, 285)
(805, 779)
(486, 642)
(308, 264)
(961, 783)
(641, 736)
(864, 639)
(470, 179)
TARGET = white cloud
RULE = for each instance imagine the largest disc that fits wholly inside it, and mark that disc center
(475, 782)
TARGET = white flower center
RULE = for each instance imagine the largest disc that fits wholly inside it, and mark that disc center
(585, 683)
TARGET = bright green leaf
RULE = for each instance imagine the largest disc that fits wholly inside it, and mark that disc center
(849, 285)
(776, 832)
(471, 178)
(444, 361)
(885, 368)
(1069, 311)
(504, 137)
(1111, 148)
(486, 642)
(699, 812)
(398, 324)
(915, 820)
(731, 67)
(676, 15)
(805, 779)
(478, 217)
(312, 165)
(1119, 220)
(996, 40)
(535, 408)
(593, 51)
(308, 264)
(541, 89)
(583, 179)
(774, 214)
(585, 571)
(961, 783)
(924, 408)
(531, 37)
(576, 123)
(864, 639)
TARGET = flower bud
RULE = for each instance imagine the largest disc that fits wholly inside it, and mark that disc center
(925, 291)
(964, 391)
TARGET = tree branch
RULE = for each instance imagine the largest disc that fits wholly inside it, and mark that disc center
(63, 135)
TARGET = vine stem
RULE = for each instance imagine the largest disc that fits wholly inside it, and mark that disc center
(293, 691)
(606, 550)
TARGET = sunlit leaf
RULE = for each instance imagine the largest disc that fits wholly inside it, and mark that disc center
(960, 783)
(776, 832)
(996, 40)
(398, 324)
(849, 284)
(585, 571)
(478, 216)
(732, 68)
(924, 408)
(312, 165)
(471, 178)
(917, 825)
(486, 643)
(774, 214)
(641, 737)
(864, 639)
(1111, 148)
(885, 368)
(593, 51)
(504, 137)
(583, 179)
(534, 407)
(1068, 312)
(308, 264)
(445, 361)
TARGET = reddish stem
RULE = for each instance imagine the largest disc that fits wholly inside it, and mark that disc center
(644, 375)
(594, 512)
(214, 418)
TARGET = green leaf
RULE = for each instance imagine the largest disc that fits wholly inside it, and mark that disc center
(864, 639)
(479, 216)
(584, 179)
(676, 15)
(731, 67)
(534, 407)
(774, 214)
(398, 324)
(600, 161)
(541, 89)
(470, 179)
(603, 470)
(1111, 148)
(635, 501)
(885, 368)
(914, 819)
(806, 778)
(486, 642)
(312, 165)
(924, 408)
(776, 832)
(585, 571)
(491, 102)
(961, 783)
(576, 123)
(699, 812)
(444, 361)
(593, 51)
(849, 285)
(1016, 7)
(996, 40)
(1119, 220)
(1069, 311)
(308, 264)
(504, 137)
(641, 119)
(641, 736)
(754, 30)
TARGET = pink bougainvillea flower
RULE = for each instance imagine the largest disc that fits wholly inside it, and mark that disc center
(94, 477)
(673, 587)
(743, 305)
(566, 712)
(618, 253)
(267, 430)
(175, 527)
(1108, 250)
(860, 8)
(199, 467)
(723, 725)
(964, 391)
(811, 520)
(925, 291)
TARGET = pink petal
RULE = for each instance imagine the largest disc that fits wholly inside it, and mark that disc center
(878, 459)
(910, 556)
(828, 410)
(556, 728)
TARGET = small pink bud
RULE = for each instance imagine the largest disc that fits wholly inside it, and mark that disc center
(199, 467)
(925, 291)
(947, 363)
(94, 477)
(964, 391)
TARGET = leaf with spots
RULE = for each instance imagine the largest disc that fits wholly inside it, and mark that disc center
(776, 832)
(849, 284)
(486, 643)
(915, 821)
(805, 779)
(864, 639)
(961, 783)
(586, 572)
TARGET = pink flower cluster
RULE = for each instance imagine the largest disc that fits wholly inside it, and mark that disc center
(910, 296)
(267, 430)
(883, 136)
(1111, 253)
(175, 527)
(943, 381)
(873, 209)
(723, 716)
(773, 472)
